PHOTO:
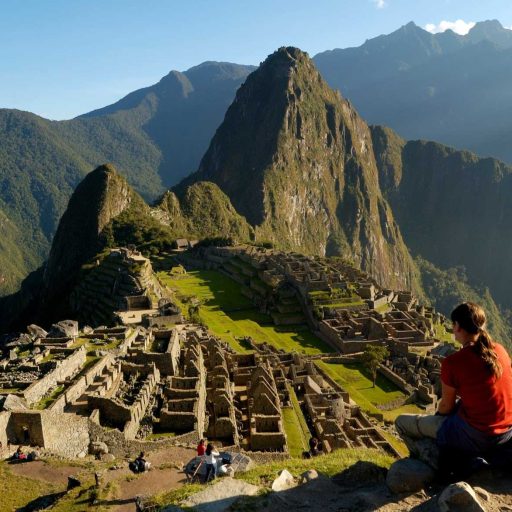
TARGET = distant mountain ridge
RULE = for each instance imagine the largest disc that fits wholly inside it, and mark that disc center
(445, 87)
(154, 136)
(157, 135)
(295, 165)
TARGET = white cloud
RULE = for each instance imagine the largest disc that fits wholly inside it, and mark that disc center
(380, 4)
(459, 27)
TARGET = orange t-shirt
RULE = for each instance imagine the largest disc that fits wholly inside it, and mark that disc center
(486, 402)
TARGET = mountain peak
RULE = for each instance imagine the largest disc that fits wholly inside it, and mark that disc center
(492, 31)
(488, 25)
(294, 158)
(100, 196)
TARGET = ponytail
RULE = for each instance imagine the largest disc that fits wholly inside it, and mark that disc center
(484, 347)
(471, 317)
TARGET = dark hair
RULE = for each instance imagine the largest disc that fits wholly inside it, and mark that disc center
(471, 318)
(209, 448)
(201, 441)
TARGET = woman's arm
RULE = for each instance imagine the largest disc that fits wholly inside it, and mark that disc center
(447, 402)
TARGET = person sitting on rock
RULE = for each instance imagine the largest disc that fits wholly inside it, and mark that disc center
(476, 429)
(211, 462)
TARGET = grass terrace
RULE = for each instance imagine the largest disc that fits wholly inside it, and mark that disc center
(327, 465)
(356, 381)
(337, 298)
(46, 401)
(230, 315)
(297, 431)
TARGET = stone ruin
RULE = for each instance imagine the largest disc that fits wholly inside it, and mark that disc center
(184, 383)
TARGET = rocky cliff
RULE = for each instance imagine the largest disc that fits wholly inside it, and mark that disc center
(297, 161)
(99, 198)
(453, 208)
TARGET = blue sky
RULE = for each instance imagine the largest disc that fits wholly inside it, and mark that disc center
(61, 58)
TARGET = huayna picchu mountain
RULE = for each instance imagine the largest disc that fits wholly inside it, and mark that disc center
(297, 161)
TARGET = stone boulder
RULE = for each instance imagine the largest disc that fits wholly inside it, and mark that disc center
(219, 496)
(98, 448)
(13, 402)
(284, 481)
(360, 474)
(408, 475)
(64, 329)
(107, 457)
(36, 332)
(87, 329)
(459, 497)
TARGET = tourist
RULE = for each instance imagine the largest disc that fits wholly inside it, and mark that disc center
(140, 464)
(475, 430)
(211, 462)
(19, 455)
(314, 447)
(201, 448)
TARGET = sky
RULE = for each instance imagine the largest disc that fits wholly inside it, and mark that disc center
(62, 58)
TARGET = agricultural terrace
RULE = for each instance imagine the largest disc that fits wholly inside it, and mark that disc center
(231, 316)
(384, 399)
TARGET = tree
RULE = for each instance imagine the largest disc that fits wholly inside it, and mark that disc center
(374, 355)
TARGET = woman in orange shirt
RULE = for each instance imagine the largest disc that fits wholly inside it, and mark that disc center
(473, 423)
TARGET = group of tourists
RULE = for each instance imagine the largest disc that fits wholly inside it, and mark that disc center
(209, 455)
(472, 427)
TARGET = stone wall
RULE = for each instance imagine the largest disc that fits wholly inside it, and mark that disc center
(64, 434)
(65, 369)
(79, 387)
(26, 427)
(121, 447)
(395, 379)
(116, 413)
(137, 302)
(4, 422)
(164, 362)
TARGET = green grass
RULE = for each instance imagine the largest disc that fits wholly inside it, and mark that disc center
(45, 402)
(358, 384)
(158, 435)
(110, 345)
(176, 496)
(230, 315)
(17, 491)
(329, 464)
(294, 434)
(297, 431)
(442, 334)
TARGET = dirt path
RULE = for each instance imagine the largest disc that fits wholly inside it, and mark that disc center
(165, 475)
(40, 470)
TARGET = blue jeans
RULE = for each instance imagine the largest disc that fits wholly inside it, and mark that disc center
(456, 434)
(211, 469)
